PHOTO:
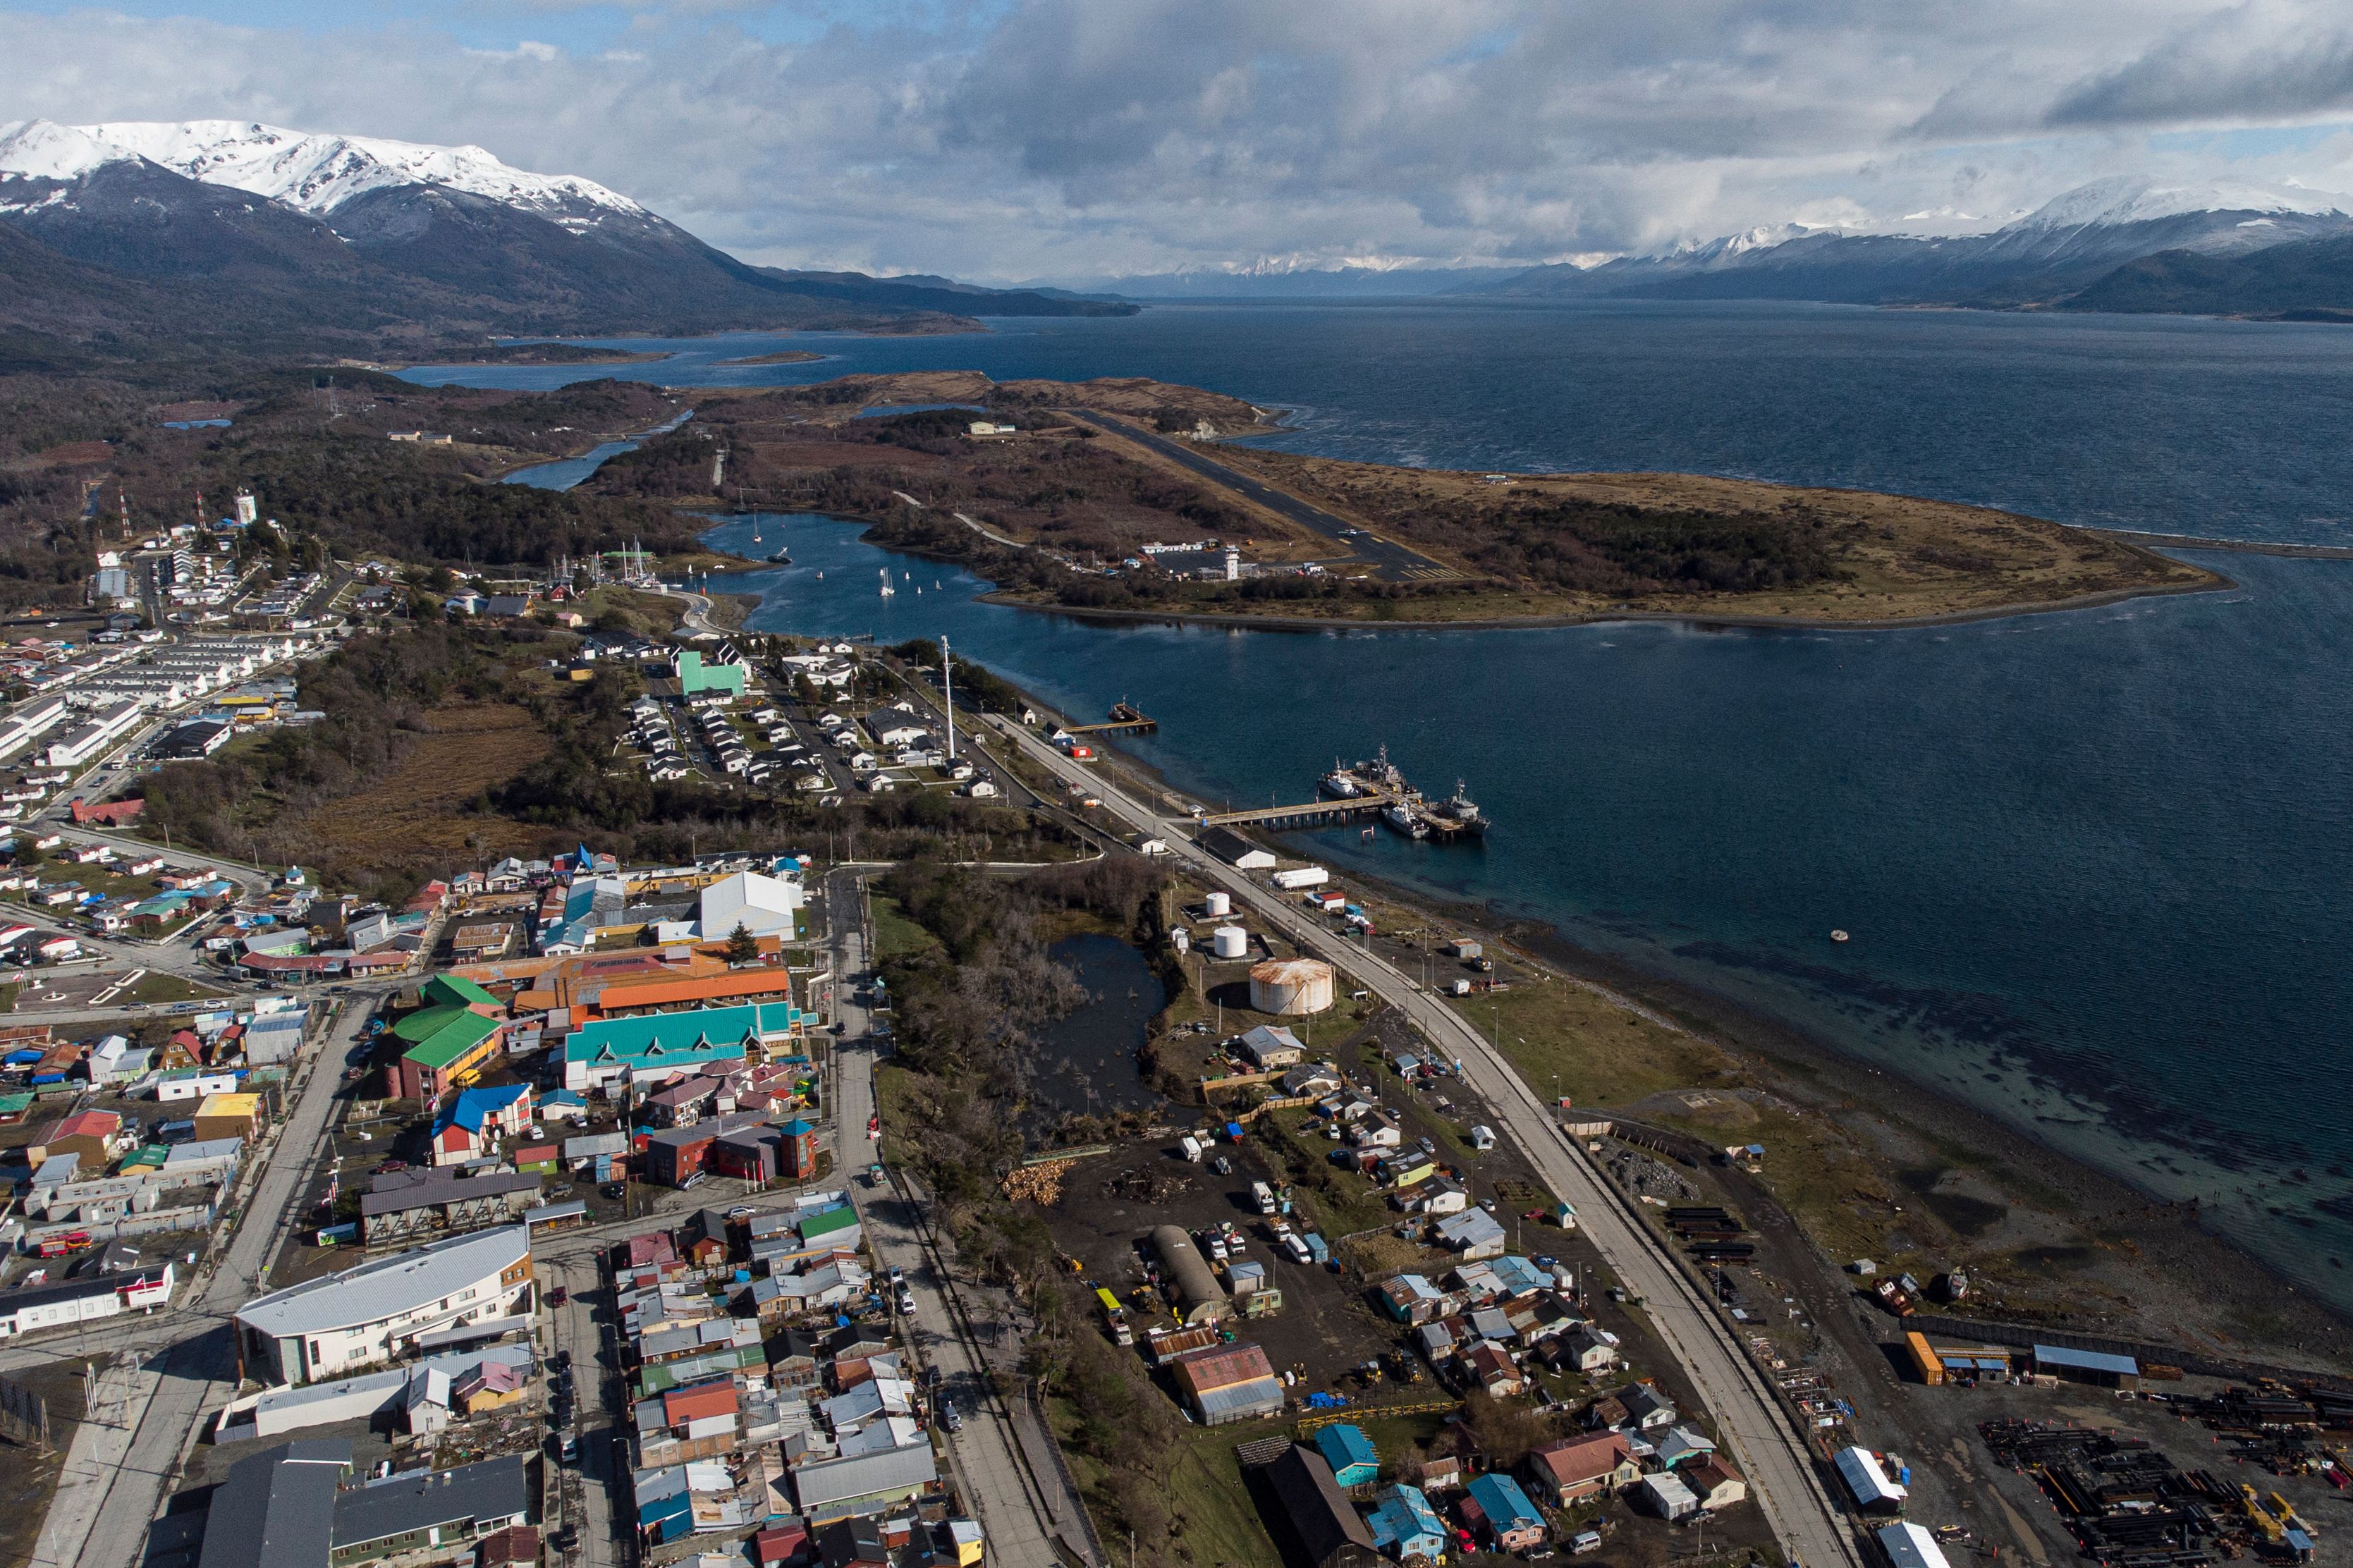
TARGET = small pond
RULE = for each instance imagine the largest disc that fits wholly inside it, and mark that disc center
(1086, 1063)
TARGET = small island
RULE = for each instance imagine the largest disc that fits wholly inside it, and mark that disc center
(782, 356)
(1125, 496)
(545, 354)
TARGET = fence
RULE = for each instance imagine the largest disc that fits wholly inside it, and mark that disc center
(24, 1417)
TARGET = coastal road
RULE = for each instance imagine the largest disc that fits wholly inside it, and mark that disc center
(1019, 1509)
(119, 1471)
(1391, 562)
(1769, 1451)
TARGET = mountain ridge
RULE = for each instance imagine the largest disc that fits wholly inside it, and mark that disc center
(354, 244)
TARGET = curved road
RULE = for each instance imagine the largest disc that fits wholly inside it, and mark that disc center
(1772, 1454)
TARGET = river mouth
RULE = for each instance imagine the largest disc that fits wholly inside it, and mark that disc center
(1087, 1062)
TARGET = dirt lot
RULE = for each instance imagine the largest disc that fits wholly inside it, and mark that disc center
(415, 807)
(27, 1478)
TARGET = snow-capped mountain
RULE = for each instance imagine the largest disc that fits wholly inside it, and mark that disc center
(231, 224)
(2139, 198)
(317, 173)
(2046, 256)
(44, 150)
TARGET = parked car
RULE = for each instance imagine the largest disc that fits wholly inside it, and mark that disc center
(556, 1297)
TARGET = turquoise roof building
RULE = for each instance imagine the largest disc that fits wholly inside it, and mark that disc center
(658, 1044)
(1350, 1453)
(695, 677)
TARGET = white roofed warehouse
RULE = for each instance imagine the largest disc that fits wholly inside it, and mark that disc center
(364, 1317)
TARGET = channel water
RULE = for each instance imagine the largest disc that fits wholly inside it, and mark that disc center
(2095, 864)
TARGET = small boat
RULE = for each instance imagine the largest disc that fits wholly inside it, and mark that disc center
(887, 589)
(1838, 936)
(820, 576)
(781, 558)
(1404, 821)
(1338, 784)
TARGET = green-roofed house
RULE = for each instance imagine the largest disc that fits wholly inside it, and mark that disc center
(13, 1107)
(446, 1049)
(457, 991)
(647, 1050)
(694, 676)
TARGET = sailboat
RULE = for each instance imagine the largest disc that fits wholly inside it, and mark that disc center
(887, 589)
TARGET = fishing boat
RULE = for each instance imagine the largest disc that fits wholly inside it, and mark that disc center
(887, 589)
(1401, 817)
(1339, 783)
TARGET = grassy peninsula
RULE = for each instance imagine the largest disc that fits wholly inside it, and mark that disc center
(1058, 502)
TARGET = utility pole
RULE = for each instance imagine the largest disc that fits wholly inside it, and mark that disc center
(947, 692)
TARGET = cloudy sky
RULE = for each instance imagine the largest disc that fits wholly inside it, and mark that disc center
(1027, 139)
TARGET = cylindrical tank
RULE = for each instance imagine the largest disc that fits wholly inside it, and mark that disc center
(1199, 1298)
(1219, 904)
(1229, 941)
(1291, 987)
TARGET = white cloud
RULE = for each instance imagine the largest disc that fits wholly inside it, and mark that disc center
(1063, 137)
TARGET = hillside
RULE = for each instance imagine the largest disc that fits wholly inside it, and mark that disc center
(2307, 281)
(213, 238)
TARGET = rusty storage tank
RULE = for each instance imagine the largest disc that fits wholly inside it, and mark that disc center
(1291, 987)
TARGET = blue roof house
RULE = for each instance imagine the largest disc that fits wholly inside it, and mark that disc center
(1404, 1526)
(1510, 1521)
(1350, 1453)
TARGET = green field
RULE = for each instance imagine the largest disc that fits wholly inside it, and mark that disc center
(896, 936)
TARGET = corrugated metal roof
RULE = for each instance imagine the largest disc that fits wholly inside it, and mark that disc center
(1202, 1371)
(388, 1285)
(2087, 1361)
(1909, 1546)
(492, 1490)
(825, 1482)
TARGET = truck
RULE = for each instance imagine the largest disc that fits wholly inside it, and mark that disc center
(1291, 1245)
(1264, 1195)
(1192, 1148)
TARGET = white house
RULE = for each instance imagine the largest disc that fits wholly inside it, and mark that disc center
(362, 1317)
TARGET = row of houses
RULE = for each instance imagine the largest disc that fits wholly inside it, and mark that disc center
(769, 1395)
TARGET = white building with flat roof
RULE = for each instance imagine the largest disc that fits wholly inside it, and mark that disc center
(366, 1316)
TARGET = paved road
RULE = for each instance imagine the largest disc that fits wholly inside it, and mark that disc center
(119, 1474)
(1391, 561)
(605, 1483)
(1017, 1508)
(1769, 1451)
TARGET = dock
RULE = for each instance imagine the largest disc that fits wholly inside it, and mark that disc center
(1124, 720)
(1305, 815)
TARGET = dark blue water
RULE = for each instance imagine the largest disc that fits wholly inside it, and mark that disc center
(2177, 425)
(566, 472)
(2094, 863)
